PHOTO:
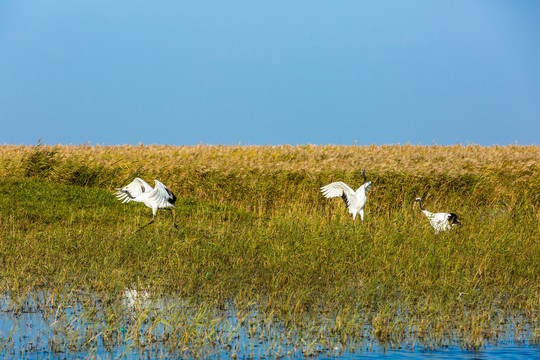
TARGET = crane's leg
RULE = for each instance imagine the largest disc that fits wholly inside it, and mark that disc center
(173, 214)
(151, 222)
(154, 210)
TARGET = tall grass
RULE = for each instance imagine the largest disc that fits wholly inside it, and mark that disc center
(255, 228)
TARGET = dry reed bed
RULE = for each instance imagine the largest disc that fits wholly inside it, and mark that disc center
(420, 160)
(493, 174)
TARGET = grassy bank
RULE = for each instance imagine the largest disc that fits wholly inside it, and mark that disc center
(253, 227)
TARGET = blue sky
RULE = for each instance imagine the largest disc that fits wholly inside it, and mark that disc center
(270, 72)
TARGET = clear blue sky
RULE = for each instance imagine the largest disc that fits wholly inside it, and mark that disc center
(270, 72)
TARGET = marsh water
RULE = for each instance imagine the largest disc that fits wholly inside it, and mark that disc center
(135, 326)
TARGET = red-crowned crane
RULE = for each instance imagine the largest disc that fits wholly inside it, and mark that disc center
(159, 197)
(355, 200)
(439, 221)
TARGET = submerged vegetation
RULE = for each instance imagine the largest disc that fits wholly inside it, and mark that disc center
(256, 235)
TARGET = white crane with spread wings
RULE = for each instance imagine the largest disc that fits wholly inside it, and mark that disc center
(159, 197)
(355, 200)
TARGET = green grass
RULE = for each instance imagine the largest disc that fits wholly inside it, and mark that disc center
(84, 235)
(270, 238)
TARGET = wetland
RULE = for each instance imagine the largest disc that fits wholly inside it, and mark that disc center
(262, 265)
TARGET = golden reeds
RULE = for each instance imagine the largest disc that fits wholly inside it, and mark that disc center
(413, 159)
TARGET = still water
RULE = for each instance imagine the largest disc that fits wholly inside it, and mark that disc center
(135, 327)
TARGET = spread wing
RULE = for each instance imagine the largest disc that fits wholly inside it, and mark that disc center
(338, 189)
(162, 195)
(133, 190)
(366, 187)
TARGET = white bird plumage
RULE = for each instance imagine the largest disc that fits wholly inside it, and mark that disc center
(355, 200)
(159, 197)
(439, 221)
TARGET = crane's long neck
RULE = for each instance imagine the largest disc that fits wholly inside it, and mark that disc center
(128, 194)
(420, 203)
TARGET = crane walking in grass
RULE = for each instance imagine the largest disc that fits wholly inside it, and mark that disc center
(159, 197)
(439, 221)
(354, 200)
